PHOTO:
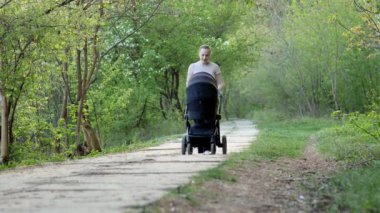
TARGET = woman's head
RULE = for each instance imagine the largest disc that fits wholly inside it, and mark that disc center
(204, 54)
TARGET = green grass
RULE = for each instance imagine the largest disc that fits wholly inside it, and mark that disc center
(190, 191)
(344, 144)
(353, 190)
(282, 139)
(279, 139)
(275, 140)
(356, 189)
(215, 174)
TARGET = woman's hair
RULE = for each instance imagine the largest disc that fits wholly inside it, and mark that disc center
(205, 46)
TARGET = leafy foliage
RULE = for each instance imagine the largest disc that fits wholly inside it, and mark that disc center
(356, 140)
(318, 57)
(125, 61)
(353, 190)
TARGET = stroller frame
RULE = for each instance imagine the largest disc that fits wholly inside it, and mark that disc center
(203, 128)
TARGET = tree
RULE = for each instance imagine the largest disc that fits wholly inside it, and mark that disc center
(314, 61)
(21, 28)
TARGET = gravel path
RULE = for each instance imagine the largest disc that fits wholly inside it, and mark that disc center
(112, 183)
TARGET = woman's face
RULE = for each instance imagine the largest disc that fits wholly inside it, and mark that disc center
(204, 55)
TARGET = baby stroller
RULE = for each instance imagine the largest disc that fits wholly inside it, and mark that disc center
(202, 119)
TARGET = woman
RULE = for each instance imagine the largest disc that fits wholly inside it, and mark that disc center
(205, 65)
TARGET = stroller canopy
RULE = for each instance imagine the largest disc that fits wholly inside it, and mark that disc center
(202, 97)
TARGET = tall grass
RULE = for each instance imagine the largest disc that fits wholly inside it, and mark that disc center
(357, 188)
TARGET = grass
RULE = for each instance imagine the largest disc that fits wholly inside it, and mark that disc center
(189, 191)
(282, 139)
(345, 144)
(357, 188)
(275, 140)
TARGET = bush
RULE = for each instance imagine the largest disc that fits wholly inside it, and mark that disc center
(355, 141)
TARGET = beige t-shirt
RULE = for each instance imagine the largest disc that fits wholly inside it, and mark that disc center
(210, 68)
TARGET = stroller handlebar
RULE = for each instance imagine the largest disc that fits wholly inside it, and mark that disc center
(220, 97)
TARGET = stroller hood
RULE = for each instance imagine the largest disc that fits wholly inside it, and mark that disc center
(202, 97)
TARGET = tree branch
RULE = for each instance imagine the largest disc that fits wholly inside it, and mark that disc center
(142, 113)
(368, 12)
(130, 34)
(349, 30)
(65, 2)
(89, 4)
(373, 22)
(5, 4)
(363, 9)
(366, 131)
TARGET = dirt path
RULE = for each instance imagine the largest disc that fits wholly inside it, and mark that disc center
(269, 186)
(113, 183)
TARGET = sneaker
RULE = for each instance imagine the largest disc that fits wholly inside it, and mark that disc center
(207, 152)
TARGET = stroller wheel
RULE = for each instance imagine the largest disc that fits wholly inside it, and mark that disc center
(189, 149)
(213, 148)
(224, 144)
(183, 145)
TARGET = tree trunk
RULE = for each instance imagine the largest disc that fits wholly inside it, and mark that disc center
(169, 99)
(333, 89)
(175, 90)
(309, 104)
(4, 129)
(79, 97)
(65, 100)
(12, 106)
(334, 74)
(92, 141)
(142, 114)
(64, 117)
(163, 111)
(84, 80)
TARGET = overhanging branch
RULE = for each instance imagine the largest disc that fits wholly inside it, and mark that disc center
(363, 9)
(65, 2)
(5, 4)
(130, 34)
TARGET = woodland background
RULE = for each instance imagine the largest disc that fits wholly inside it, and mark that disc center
(88, 75)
